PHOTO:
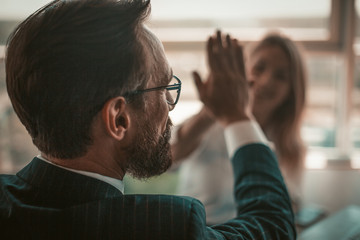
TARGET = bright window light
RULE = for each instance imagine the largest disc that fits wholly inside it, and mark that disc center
(181, 21)
(355, 160)
(183, 110)
(316, 160)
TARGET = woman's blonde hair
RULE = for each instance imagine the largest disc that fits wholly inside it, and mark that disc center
(285, 122)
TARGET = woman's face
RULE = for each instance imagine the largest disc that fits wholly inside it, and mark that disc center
(269, 75)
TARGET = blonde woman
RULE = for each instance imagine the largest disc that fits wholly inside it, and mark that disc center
(276, 74)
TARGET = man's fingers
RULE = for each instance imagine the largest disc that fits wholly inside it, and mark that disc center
(220, 53)
(239, 57)
(232, 56)
(212, 54)
(219, 42)
(228, 40)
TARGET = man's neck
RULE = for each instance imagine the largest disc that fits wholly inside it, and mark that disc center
(102, 164)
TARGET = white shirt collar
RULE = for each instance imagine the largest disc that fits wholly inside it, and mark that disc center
(112, 181)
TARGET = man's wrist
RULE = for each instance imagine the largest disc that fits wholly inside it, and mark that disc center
(241, 133)
(230, 121)
(239, 117)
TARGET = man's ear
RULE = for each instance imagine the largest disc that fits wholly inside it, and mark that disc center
(116, 117)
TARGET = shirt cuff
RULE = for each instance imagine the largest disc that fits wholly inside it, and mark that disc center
(242, 133)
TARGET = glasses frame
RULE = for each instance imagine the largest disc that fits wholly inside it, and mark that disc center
(176, 86)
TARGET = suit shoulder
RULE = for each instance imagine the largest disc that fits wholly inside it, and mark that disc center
(183, 202)
(158, 217)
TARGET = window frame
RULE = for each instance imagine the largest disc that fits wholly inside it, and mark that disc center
(342, 33)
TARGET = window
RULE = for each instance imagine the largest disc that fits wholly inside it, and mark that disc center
(247, 19)
(315, 25)
(355, 120)
(325, 28)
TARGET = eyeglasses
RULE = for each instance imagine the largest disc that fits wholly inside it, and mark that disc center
(173, 90)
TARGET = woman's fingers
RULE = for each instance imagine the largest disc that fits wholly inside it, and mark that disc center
(219, 42)
(232, 56)
(199, 85)
(239, 58)
(223, 54)
(212, 54)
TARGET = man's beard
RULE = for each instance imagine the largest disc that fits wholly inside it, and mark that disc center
(148, 156)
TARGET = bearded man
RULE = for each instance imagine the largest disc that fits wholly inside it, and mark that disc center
(93, 88)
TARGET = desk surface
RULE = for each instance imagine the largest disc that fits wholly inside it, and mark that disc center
(344, 224)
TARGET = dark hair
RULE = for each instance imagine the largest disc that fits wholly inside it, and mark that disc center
(66, 60)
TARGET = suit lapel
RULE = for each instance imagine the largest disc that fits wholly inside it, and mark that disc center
(62, 187)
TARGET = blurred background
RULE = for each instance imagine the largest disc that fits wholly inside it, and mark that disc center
(328, 30)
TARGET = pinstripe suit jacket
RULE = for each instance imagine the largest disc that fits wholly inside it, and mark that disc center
(43, 201)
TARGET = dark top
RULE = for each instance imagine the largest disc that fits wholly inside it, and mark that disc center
(43, 201)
